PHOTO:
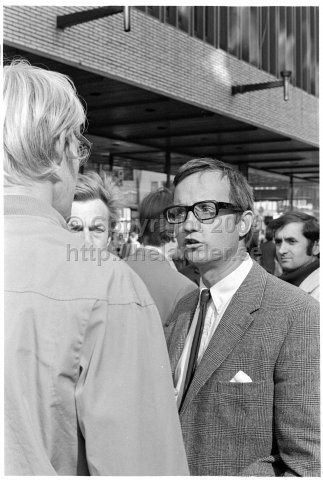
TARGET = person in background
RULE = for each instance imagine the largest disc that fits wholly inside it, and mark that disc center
(258, 228)
(244, 347)
(130, 247)
(120, 244)
(95, 208)
(297, 237)
(268, 252)
(153, 261)
(87, 381)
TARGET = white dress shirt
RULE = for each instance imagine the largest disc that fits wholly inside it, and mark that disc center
(221, 293)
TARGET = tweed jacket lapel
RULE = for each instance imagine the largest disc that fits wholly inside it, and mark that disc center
(234, 323)
(182, 323)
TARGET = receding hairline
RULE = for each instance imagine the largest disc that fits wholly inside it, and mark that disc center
(223, 174)
(200, 169)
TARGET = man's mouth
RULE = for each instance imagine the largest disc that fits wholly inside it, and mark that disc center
(190, 242)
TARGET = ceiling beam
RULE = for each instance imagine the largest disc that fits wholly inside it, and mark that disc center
(154, 119)
(287, 174)
(142, 102)
(99, 131)
(292, 170)
(296, 166)
(215, 143)
(260, 152)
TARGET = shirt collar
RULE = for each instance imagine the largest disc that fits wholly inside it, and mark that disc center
(223, 291)
(25, 205)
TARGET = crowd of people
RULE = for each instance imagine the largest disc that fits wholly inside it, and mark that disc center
(138, 364)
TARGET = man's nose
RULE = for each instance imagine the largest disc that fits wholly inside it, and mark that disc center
(191, 223)
(88, 240)
(282, 248)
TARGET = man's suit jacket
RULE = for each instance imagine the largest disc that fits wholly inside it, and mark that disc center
(165, 284)
(269, 427)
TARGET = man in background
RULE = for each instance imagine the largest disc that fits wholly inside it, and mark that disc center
(95, 209)
(297, 237)
(153, 261)
(87, 379)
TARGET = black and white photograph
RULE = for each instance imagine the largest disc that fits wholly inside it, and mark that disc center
(161, 242)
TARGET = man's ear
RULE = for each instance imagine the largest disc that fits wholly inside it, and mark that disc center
(60, 147)
(245, 223)
(316, 248)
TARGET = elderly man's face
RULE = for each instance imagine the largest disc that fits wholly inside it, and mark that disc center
(291, 247)
(92, 219)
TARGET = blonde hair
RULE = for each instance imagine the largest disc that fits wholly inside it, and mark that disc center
(38, 105)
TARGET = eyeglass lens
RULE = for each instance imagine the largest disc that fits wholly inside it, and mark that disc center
(202, 210)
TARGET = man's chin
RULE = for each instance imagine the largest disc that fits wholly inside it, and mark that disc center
(201, 255)
(287, 269)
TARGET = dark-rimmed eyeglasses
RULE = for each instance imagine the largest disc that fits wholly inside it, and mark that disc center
(204, 211)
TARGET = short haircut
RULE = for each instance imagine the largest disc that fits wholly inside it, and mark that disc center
(92, 186)
(156, 231)
(240, 194)
(311, 226)
(38, 106)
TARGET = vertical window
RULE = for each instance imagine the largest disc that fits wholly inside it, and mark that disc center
(154, 12)
(273, 34)
(245, 29)
(184, 18)
(199, 22)
(264, 39)
(312, 69)
(282, 39)
(299, 50)
(305, 48)
(171, 15)
(254, 37)
(210, 25)
(217, 27)
(223, 28)
(317, 50)
(291, 42)
(234, 41)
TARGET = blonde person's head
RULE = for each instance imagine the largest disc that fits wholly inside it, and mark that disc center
(41, 109)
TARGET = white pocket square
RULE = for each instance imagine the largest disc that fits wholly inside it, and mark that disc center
(241, 377)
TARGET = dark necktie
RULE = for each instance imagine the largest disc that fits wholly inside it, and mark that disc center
(204, 298)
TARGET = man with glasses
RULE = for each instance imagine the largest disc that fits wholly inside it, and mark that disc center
(244, 349)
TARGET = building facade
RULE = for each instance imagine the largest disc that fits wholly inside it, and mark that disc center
(190, 58)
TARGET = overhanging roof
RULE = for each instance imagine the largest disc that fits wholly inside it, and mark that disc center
(144, 127)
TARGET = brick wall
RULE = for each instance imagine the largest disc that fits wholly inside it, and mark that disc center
(162, 59)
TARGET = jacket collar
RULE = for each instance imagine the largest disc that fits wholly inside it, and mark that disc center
(31, 206)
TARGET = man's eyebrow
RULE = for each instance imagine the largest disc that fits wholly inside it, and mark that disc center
(287, 239)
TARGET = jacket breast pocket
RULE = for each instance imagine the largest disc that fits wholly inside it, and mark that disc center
(246, 404)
